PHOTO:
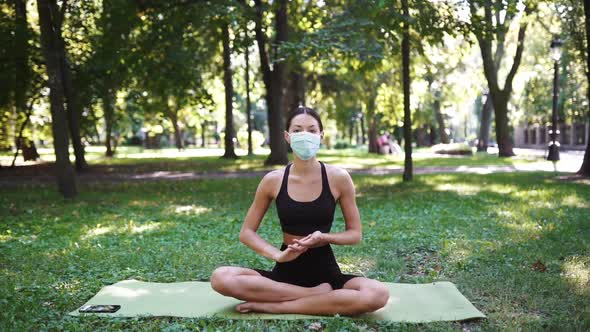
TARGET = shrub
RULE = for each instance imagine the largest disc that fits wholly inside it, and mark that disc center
(453, 149)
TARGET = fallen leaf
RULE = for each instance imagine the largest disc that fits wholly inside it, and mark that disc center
(539, 266)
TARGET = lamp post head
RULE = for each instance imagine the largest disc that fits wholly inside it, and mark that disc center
(556, 44)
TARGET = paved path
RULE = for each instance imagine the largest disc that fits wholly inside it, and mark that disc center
(567, 166)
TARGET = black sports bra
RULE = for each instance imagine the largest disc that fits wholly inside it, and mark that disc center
(303, 218)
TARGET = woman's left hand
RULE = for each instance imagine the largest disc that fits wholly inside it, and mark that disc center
(314, 239)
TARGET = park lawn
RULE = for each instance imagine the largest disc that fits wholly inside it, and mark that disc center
(516, 244)
(135, 159)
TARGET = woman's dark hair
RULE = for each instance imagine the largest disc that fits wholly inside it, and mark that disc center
(303, 110)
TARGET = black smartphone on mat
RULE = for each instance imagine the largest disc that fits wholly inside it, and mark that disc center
(106, 308)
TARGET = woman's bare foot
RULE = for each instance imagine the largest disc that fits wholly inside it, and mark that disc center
(321, 289)
(267, 306)
(254, 307)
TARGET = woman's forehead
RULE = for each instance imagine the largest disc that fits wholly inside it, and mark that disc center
(304, 120)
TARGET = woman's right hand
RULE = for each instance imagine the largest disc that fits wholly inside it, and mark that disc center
(290, 253)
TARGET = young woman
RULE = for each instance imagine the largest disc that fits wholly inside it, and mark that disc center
(306, 278)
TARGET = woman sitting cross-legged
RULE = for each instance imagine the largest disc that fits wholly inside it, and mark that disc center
(306, 278)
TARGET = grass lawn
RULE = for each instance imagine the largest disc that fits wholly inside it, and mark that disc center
(516, 244)
(135, 159)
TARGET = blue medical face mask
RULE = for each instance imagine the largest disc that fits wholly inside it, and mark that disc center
(304, 144)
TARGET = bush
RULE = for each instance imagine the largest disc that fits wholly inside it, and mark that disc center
(453, 149)
(342, 144)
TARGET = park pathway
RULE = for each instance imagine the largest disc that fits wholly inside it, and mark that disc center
(564, 166)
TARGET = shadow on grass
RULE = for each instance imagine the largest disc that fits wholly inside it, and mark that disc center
(491, 239)
(484, 233)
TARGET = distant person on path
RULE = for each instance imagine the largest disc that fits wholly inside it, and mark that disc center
(306, 278)
(383, 143)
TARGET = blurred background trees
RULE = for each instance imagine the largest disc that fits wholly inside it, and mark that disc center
(224, 74)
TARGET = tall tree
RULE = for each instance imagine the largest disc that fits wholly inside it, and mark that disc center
(73, 108)
(229, 94)
(23, 81)
(408, 167)
(585, 169)
(487, 28)
(484, 125)
(247, 83)
(274, 79)
(50, 31)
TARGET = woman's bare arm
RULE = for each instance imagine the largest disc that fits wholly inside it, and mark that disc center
(262, 200)
(352, 218)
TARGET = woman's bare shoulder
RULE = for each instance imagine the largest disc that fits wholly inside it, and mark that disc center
(271, 180)
(336, 172)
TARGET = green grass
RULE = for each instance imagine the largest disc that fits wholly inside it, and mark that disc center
(134, 159)
(484, 233)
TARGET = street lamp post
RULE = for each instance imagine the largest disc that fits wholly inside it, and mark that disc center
(554, 132)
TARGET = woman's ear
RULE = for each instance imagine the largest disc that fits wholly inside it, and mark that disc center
(287, 138)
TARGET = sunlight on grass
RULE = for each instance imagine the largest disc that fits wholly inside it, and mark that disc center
(501, 188)
(355, 264)
(129, 227)
(142, 228)
(6, 237)
(462, 189)
(574, 200)
(457, 250)
(189, 209)
(576, 270)
(486, 243)
(99, 230)
(530, 228)
(142, 203)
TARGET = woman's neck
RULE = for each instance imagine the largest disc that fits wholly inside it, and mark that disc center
(304, 167)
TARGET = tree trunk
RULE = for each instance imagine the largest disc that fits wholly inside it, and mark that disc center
(484, 129)
(499, 96)
(274, 82)
(350, 132)
(432, 135)
(422, 136)
(74, 111)
(294, 94)
(502, 129)
(229, 93)
(364, 141)
(203, 130)
(585, 169)
(177, 134)
(66, 178)
(442, 133)
(248, 102)
(408, 166)
(372, 130)
(108, 103)
(22, 82)
(22, 68)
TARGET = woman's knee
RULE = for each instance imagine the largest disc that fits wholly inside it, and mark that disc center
(220, 279)
(375, 297)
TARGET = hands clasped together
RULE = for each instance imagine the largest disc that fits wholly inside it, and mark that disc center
(299, 246)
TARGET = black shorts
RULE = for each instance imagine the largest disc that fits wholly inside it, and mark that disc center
(313, 267)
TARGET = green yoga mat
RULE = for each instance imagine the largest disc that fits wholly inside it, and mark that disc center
(439, 301)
